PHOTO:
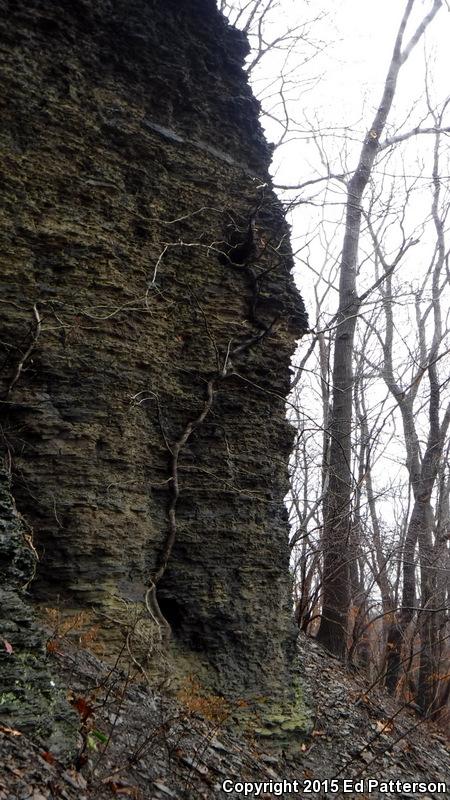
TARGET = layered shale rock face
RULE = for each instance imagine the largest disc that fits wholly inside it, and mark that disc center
(146, 285)
(30, 698)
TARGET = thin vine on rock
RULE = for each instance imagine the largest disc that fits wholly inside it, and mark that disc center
(237, 254)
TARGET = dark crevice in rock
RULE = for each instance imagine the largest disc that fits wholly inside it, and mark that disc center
(30, 697)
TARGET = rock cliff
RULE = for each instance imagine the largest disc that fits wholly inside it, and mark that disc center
(29, 695)
(148, 317)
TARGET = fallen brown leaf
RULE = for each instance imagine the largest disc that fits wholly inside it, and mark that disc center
(124, 789)
(384, 726)
(11, 731)
(82, 706)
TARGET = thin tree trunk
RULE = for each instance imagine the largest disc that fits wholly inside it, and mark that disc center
(422, 475)
(337, 502)
(418, 522)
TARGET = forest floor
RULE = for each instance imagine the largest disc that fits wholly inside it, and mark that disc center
(138, 743)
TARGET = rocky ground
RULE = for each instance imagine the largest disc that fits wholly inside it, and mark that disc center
(140, 743)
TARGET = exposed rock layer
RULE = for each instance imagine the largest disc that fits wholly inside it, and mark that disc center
(133, 153)
(29, 695)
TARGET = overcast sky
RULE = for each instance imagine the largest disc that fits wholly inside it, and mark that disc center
(358, 36)
(342, 87)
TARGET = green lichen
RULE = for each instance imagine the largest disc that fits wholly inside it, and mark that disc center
(281, 720)
(284, 723)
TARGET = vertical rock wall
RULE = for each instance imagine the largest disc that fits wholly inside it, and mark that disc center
(133, 160)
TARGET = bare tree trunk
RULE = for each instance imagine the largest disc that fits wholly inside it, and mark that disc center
(380, 560)
(418, 522)
(337, 503)
(422, 474)
(429, 650)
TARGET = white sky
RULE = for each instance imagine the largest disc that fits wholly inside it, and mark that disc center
(341, 88)
(359, 37)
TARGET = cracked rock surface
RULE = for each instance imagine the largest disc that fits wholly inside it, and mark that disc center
(132, 152)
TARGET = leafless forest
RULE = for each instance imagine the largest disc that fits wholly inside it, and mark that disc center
(370, 400)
